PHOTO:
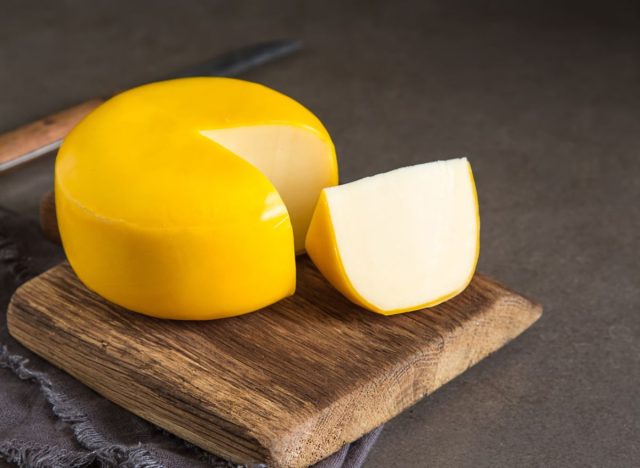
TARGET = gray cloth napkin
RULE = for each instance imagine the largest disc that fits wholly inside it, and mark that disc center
(49, 419)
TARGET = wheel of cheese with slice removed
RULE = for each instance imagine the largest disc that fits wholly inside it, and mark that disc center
(187, 199)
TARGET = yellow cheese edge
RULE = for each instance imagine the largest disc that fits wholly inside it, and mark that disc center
(166, 272)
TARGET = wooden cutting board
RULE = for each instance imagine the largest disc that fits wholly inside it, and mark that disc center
(287, 385)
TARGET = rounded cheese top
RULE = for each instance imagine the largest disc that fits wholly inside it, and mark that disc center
(146, 157)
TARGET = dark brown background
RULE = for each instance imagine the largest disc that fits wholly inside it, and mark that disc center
(543, 98)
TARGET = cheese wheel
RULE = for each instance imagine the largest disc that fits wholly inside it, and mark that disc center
(186, 199)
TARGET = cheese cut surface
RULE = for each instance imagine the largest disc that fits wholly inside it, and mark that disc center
(295, 161)
(402, 240)
(170, 196)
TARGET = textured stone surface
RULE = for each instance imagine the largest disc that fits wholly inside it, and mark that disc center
(543, 99)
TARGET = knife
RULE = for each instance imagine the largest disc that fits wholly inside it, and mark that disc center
(45, 135)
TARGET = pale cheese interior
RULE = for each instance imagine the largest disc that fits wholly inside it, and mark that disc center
(410, 236)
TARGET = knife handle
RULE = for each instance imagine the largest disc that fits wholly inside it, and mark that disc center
(48, 219)
(38, 138)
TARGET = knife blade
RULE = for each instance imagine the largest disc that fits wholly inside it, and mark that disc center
(45, 135)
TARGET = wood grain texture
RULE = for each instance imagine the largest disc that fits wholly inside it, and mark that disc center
(287, 385)
(42, 133)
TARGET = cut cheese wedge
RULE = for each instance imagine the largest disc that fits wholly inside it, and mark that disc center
(399, 241)
(187, 199)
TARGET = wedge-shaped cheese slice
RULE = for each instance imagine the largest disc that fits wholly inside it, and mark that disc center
(399, 241)
(181, 199)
